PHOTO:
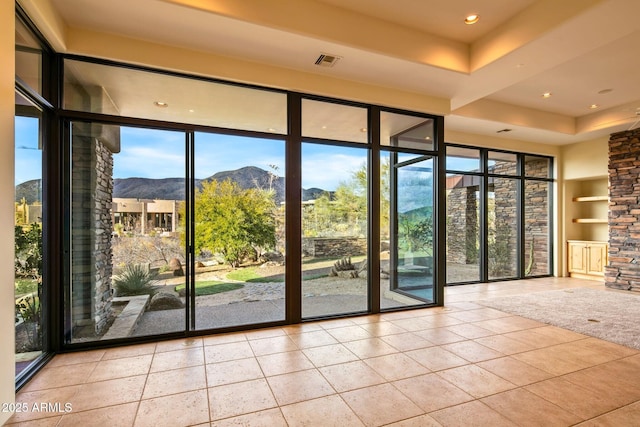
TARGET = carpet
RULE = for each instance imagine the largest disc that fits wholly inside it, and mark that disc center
(608, 315)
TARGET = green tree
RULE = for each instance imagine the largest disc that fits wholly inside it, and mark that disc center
(317, 218)
(28, 250)
(345, 212)
(416, 233)
(350, 208)
(358, 188)
(233, 222)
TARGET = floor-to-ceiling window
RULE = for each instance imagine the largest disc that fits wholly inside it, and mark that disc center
(239, 227)
(127, 186)
(503, 211)
(171, 229)
(463, 189)
(28, 233)
(334, 209)
(408, 207)
(537, 215)
(498, 215)
(197, 205)
(31, 227)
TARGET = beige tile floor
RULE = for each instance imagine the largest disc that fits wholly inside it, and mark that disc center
(459, 365)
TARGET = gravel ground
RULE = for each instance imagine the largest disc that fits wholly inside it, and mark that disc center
(254, 291)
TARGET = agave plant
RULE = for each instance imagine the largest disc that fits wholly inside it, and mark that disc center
(135, 280)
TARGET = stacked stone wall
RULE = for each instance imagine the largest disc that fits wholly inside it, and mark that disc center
(536, 219)
(503, 254)
(81, 236)
(103, 233)
(462, 225)
(334, 247)
(91, 230)
(623, 270)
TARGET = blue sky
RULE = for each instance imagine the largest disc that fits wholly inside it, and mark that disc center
(160, 154)
(28, 156)
(148, 153)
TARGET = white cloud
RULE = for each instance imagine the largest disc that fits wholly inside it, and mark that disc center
(326, 171)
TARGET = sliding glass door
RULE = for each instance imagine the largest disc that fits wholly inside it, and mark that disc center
(135, 212)
(239, 228)
(334, 230)
(128, 259)
(177, 203)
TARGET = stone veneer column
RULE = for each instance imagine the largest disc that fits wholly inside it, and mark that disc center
(536, 216)
(462, 223)
(623, 271)
(91, 228)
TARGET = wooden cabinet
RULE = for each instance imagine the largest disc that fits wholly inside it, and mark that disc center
(587, 259)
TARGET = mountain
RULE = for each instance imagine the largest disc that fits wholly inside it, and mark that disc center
(31, 191)
(313, 193)
(173, 188)
(147, 188)
(253, 177)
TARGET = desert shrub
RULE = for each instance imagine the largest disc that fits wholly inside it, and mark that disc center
(135, 280)
(28, 310)
(28, 251)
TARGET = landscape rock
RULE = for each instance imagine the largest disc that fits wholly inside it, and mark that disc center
(272, 257)
(176, 266)
(165, 301)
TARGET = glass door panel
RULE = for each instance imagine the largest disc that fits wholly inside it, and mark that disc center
(537, 247)
(126, 243)
(412, 205)
(502, 228)
(334, 230)
(29, 327)
(239, 268)
(463, 228)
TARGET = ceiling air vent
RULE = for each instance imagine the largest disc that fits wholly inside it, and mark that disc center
(327, 60)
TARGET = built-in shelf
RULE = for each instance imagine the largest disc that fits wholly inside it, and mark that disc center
(591, 199)
(590, 220)
(587, 206)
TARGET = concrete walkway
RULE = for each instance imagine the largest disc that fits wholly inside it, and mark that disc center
(252, 312)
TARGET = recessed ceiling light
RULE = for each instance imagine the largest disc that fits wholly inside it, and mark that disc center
(603, 91)
(192, 111)
(160, 104)
(271, 129)
(546, 95)
(593, 106)
(363, 129)
(471, 19)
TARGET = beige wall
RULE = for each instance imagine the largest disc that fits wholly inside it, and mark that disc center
(7, 112)
(500, 143)
(583, 172)
(585, 160)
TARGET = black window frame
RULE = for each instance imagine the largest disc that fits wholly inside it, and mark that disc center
(485, 174)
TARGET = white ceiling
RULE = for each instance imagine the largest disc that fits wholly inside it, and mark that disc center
(493, 73)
